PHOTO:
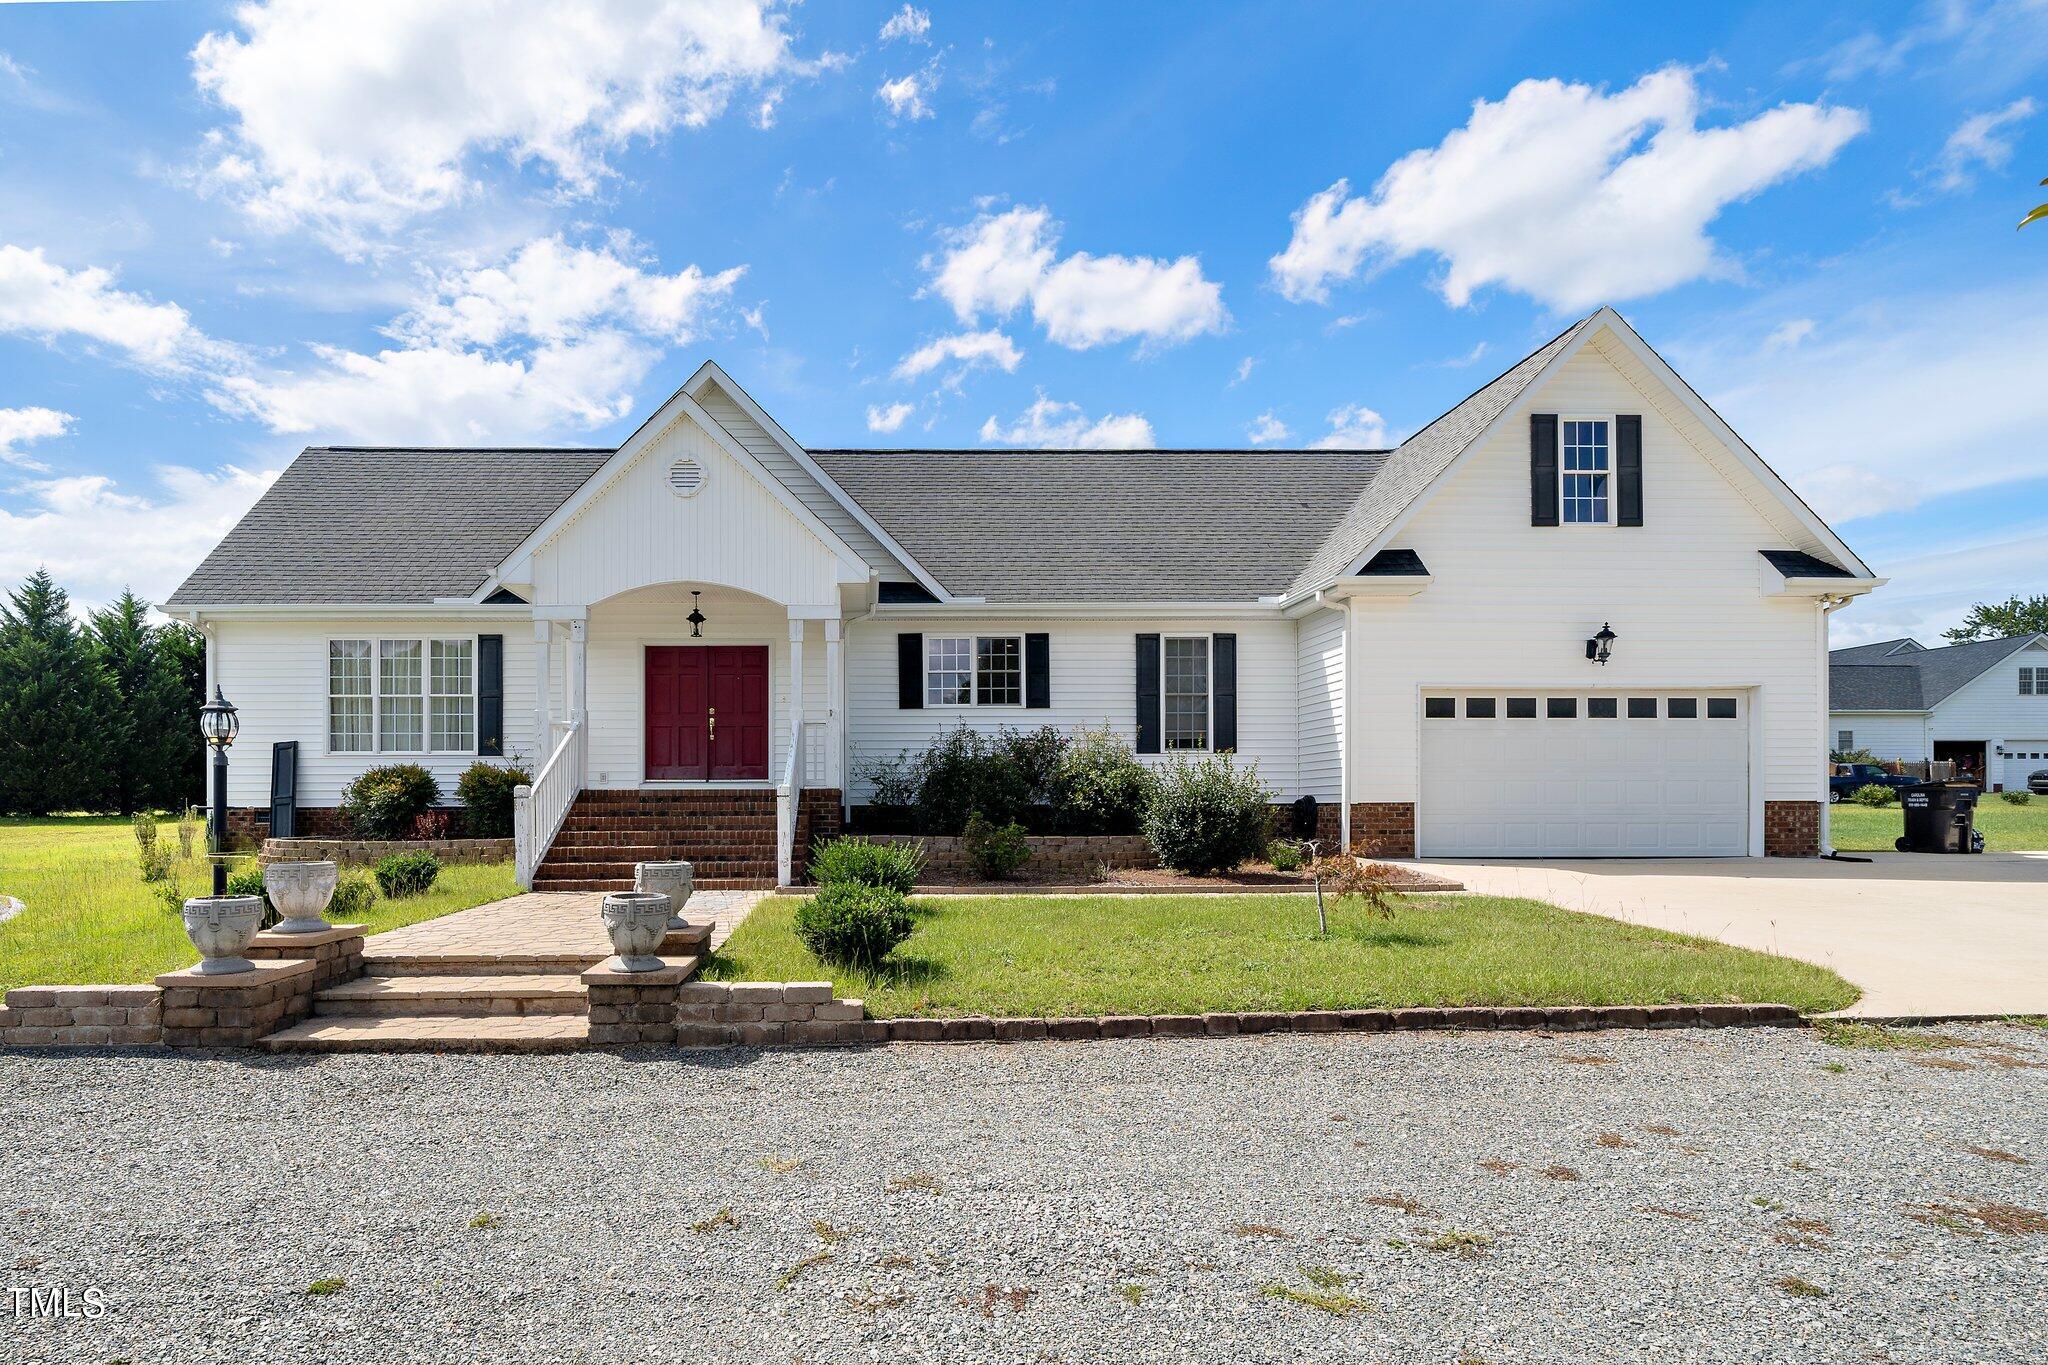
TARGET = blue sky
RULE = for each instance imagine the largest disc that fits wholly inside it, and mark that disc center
(228, 231)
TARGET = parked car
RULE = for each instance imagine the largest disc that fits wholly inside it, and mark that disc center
(1843, 785)
(2037, 782)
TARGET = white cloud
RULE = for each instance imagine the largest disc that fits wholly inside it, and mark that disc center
(1244, 371)
(97, 538)
(970, 350)
(1047, 424)
(1981, 140)
(1002, 261)
(355, 118)
(20, 425)
(44, 300)
(1563, 192)
(1265, 429)
(1788, 334)
(1354, 427)
(905, 96)
(1986, 42)
(890, 418)
(1467, 360)
(911, 25)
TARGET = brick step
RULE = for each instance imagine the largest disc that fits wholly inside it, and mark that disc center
(609, 796)
(655, 841)
(666, 824)
(435, 1033)
(453, 996)
(543, 882)
(615, 865)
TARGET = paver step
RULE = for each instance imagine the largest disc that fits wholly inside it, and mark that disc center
(453, 996)
(482, 963)
(435, 1033)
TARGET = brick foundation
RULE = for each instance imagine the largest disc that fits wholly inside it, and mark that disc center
(820, 815)
(81, 1016)
(251, 824)
(1792, 829)
(1076, 854)
(1383, 829)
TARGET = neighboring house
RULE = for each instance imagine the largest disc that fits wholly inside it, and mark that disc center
(1403, 635)
(1981, 705)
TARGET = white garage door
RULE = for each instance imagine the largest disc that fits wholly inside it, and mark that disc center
(1532, 774)
(2023, 757)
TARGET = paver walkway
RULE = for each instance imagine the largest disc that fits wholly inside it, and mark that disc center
(542, 924)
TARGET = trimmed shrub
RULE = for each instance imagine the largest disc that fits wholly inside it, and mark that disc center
(485, 790)
(1100, 787)
(1209, 815)
(1873, 794)
(353, 897)
(994, 851)
(966, 771)
(1038, 755)
(387, 802)
(853, 925)
(407, 874)
(856, 862)
(2014, 798)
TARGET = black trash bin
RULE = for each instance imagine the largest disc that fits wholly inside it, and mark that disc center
(1940, 818)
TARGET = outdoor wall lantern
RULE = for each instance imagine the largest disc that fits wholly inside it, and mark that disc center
(696, 618)
(219, 724)
(1601, 645)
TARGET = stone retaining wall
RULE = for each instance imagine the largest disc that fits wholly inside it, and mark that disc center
(370, 852)
(81, 1016)
(1080, 854)
(769, 1013)
(237, 1009)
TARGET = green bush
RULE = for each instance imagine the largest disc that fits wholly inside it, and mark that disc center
(387, 802)
(994, 851)
(966, 771)
(1209, 815)
(2016, 798)
(1285, 857)
(1873, 794)
(485, 790)
(853, 925)
(852, 861)
(1100, 787)
(353, 897)
(1038, 755)
(249, 883)
(407, 874)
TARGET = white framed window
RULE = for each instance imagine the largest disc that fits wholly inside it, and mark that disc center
(1845, 740)
(1184, 692)
(974, 670)
(403, 695)
(1584, 470)
(2034, 682)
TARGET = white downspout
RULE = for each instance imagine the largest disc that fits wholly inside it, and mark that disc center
(1826, 606)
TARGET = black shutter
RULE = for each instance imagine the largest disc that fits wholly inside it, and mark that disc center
(1543, 469)
(284, 789)
(490, 695)
(910, 671)
(1223, 690)
(1038, 672)
(1148, 694)
(1628, 469)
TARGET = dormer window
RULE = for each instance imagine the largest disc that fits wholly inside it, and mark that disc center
(1584, 470)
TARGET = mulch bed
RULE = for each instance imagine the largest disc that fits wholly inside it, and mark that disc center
(1121, 881)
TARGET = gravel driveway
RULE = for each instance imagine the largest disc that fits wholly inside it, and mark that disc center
(1452, 1196)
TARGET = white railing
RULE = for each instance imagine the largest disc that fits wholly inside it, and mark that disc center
(788, 793)
(538, 811)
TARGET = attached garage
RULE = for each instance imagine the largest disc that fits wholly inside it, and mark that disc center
(2023, 758)
(1530, 774)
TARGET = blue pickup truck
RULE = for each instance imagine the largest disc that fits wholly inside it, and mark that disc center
(1843, 785)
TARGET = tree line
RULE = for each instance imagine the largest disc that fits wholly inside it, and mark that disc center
(101, 715)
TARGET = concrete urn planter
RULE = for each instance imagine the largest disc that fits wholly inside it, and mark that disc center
(220, 927)
(637, 921)
(675, 880)
(301, 892)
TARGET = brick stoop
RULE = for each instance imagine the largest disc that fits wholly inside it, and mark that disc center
(728, 835)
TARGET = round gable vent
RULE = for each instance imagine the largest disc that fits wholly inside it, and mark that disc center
(686, 477)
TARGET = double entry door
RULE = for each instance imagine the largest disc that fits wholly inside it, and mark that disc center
(707, 713)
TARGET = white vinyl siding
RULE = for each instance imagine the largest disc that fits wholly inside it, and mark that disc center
(1901, 736)
(1320, 670)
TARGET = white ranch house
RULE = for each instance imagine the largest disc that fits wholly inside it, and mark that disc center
(1401, 634)
(1982, 705)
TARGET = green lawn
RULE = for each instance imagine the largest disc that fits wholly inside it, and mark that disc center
(1089, 955)
(2006, 828)
(90, 918)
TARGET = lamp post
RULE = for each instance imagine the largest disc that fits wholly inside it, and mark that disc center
(218, 722)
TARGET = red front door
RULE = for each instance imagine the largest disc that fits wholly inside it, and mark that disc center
(707, 712)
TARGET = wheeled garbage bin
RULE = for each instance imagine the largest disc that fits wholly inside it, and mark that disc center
(1940, 818)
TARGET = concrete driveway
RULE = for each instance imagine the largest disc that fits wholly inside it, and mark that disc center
(1922, 934)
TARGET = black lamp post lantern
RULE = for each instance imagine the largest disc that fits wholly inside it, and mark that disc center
(219, 724)
(696, 618)
(1601, 645)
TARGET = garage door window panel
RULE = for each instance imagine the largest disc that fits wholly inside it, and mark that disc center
(1521, 708)
(1683, 708)
(1480, 708)
(1439, 708)
(1602, 708)
(1642, 708)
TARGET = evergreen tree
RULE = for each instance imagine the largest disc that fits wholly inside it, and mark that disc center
(151, 721)
(183, 650)
(55, 705)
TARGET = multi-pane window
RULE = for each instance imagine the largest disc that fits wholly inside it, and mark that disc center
(2034, 682)
(1845, 740)
(983, 670)
(401, 696)
(351, 722)
(1185, 693)
(1584, 472)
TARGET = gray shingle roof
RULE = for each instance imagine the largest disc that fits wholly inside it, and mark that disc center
(353, 525)
(1799, 564)
(1876, 652)
(1915, 680)
(1107, 525)
(1419, 459)
(1394, 564)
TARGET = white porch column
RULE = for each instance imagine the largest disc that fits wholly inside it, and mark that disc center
(835, 691)
(577, 671)
(543, 689)
(796, 689)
